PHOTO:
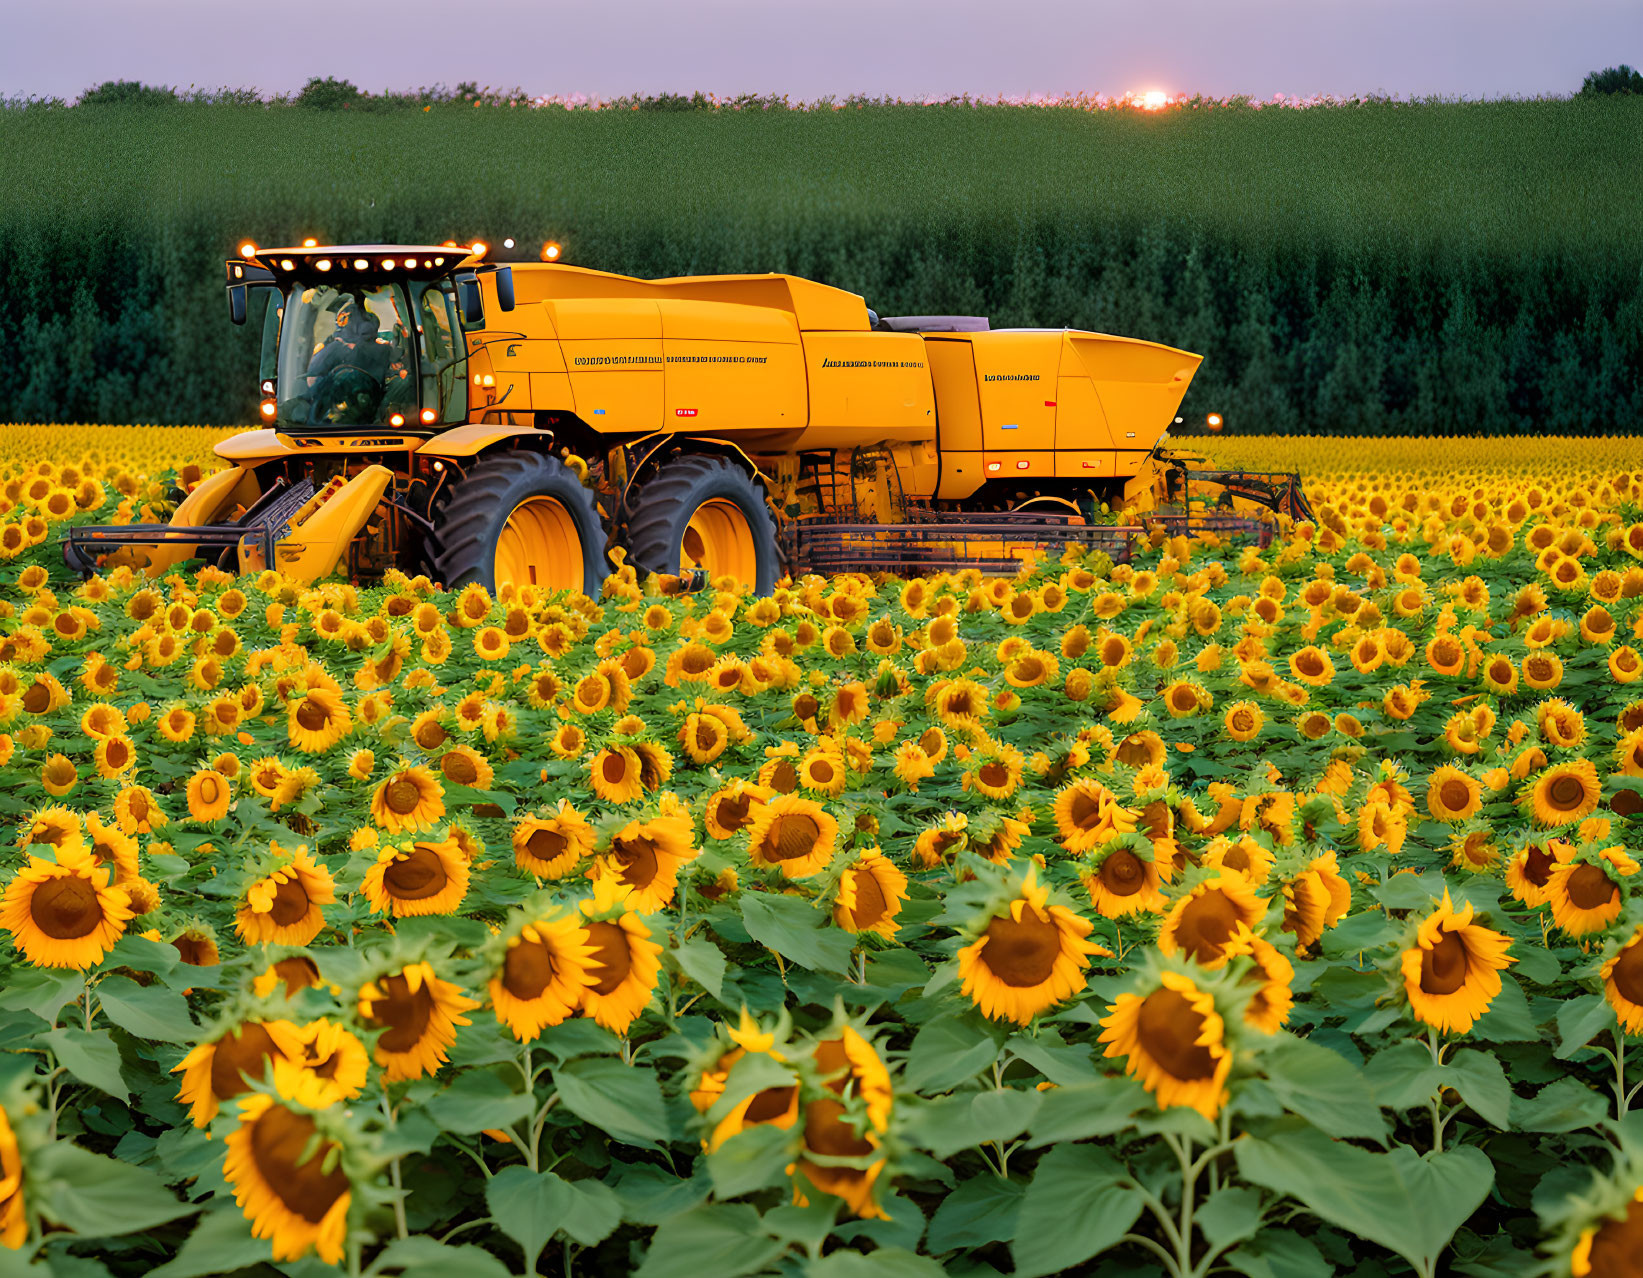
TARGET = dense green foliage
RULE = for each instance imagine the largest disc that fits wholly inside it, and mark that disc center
(1620, 79)
(1428, 268)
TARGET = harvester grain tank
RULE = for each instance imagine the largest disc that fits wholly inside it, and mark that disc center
(428, 409)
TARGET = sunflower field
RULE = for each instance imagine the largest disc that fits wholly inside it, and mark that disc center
(1231, 910)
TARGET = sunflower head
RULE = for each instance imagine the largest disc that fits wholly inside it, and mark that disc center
(283, 896)
(1202, 921)
(847, 1105)
(1024, 954)
(540, 964)
(1176, 1032)
(625, 962)
(413, 1013)
(1451, 967)
(1597, 1232)
(64, 913)
(417, 876)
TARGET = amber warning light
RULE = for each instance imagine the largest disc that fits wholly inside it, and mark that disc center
(1214, 421)
(551, 251)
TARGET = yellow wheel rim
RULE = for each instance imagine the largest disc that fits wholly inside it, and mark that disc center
(720, 540)
(540, 546)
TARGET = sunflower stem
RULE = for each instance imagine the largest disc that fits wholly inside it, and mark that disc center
(1621, 1095)
(1437, 1100)
(400, 1223)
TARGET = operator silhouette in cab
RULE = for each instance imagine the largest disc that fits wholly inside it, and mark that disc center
(348, 371)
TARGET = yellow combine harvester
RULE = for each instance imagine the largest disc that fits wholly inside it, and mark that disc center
(514, 423)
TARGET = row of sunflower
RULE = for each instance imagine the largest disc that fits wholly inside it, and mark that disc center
(1148, 912)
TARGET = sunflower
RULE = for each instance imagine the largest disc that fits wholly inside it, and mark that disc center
(196, 944)
(871, 893)
(1087, 814)
(463, 765)
(822, 770)
(1583, 890)
(417, 1013)
(545, 967)
(293, 973)
(1244, 720)
(625, 961)
(704, 737)
(1202, 922)
(287, 1175)
(209, 793)
(552, 846)
(615, 774)
(1623, 982)
(1248, 857)
(645, 857)
(1453, 795)
(1270, 974)
(282, 907)
(1173, 1039)
(732, 808)
(1528, 873)
(424, 878)
(1027, 955)
(1566, 793)
(63, 913)
(408, 801)
(136, 811)
(997, 771)
(59, 829)
(14, 1220)
(794, 833)
(1452, 971)
(1126, 879)
(218, 1070)
(332, 1052)
(1314, 900)
(840, 1150)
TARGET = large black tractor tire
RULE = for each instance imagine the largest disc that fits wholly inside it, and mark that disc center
(523, 517)
(704, 512)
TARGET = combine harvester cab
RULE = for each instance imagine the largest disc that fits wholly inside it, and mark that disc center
(513, 425)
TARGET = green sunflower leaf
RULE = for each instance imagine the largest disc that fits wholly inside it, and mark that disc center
(91, 1056)
(148, 1011)
(1081, 1202)
(625, 1100)
(722, 1239)
(795, 929)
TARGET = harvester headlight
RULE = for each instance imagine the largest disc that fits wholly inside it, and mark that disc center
(269, 408)
(286, 264)
(1214, 421)
(507, 243)
(398, 419)
(479, 247)
(268, 386)
(324, 264)
(551, 251)
(387, 263)
(489, 380)
(439, 467)
(428, 416)
(248, 249)
(310, 243)
(361, 264)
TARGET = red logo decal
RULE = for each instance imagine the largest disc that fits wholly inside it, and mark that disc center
(684, 412)
(1049, 403)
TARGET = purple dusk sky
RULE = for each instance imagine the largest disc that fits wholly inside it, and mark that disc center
(1475, 48)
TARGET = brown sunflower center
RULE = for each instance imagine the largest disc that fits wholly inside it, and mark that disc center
(769, 1104)
(931, 741)
(417, 876)
(994, 774)
(1308, 663)
(546, 845)
(196, 951)
(1590, 889)
(37, 700)
(404, 1011)
(1022, 954)
(806, 706)
(734, 812)
(66, 908)
(826, 1132)
(298, 973)
(1168, 1027)
(1617, 1248)
(821, 771)
(210, 789)
(871, 904)
(784, 778)
(306, 1190)
(527, 970)
(1205, 925)
(1134, 752)
(1453, 795)
(1123, 873)
(239, 1053)
(1443, 967)
(707, 734)
(1085, 809)
(403, 796)
(614, 769)
(611, 953)
(791, 836)
(1627, 973)
(290, 902)
(137, 805)
(638, 860)
(1236, 858)
(459, 768)
(1565, 793)
(431, 735)
(1537, 865)
(311, 715)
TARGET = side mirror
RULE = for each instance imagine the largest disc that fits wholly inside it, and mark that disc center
(504, 288)
(236, 303)
(473, 309)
